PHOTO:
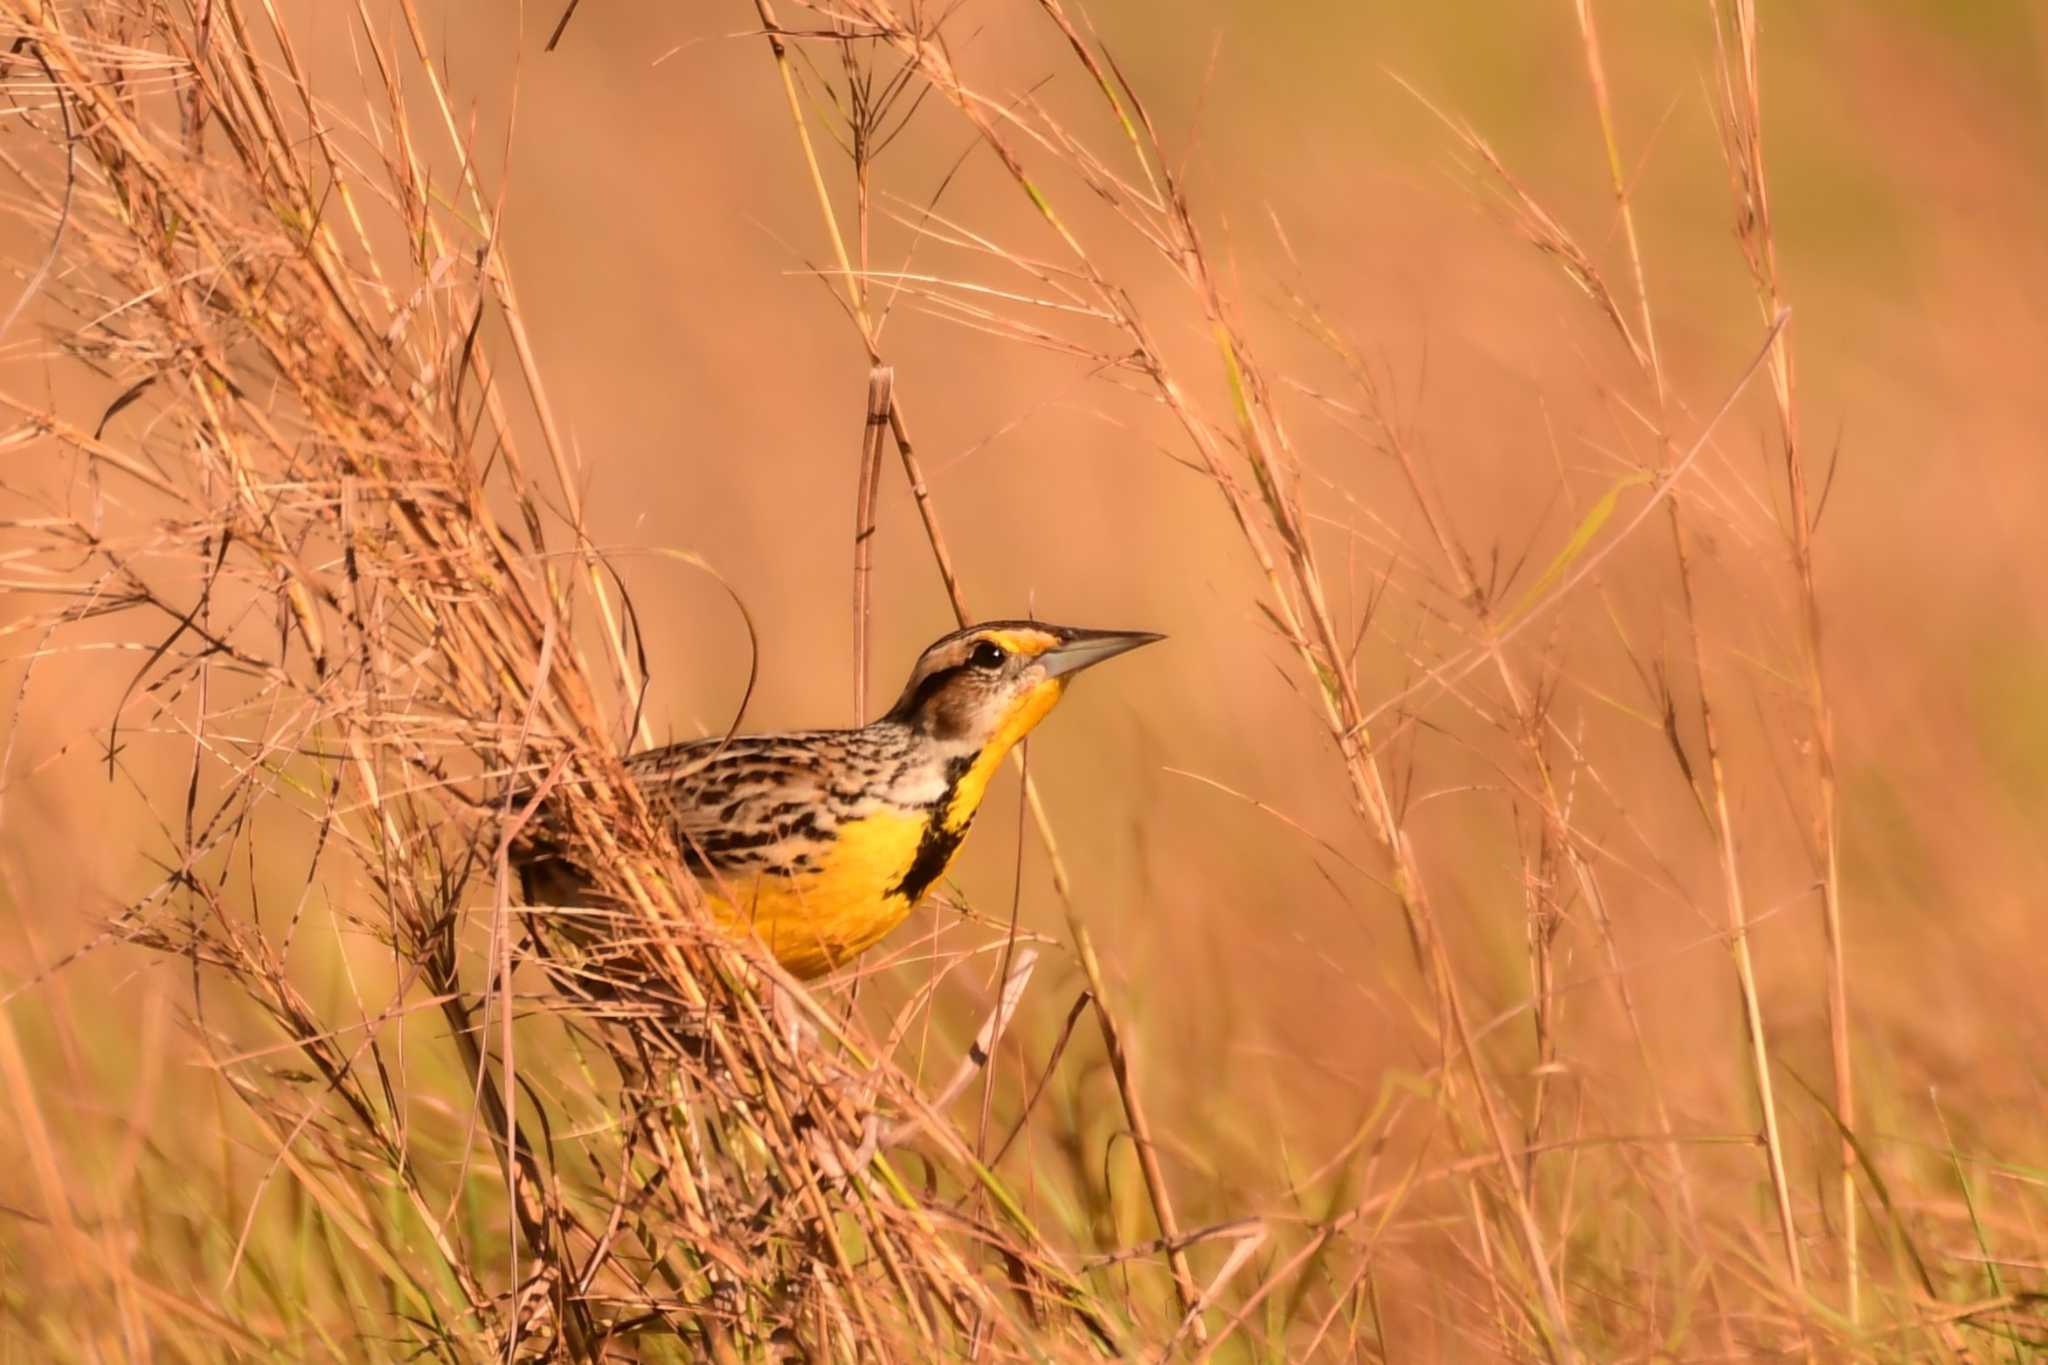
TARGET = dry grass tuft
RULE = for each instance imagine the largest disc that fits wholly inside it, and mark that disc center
(367, 614)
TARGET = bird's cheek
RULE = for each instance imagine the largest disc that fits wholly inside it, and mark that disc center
(953, 718)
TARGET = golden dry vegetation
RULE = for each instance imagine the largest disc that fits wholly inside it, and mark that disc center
(1566, 890)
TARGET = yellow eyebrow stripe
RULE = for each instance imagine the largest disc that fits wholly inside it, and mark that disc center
(1029, 643)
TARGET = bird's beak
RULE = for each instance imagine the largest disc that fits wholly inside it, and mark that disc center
(1085, 648)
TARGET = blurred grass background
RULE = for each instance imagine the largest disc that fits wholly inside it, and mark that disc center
(666, 238)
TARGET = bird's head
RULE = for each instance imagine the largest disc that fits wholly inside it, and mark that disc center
(984, 687)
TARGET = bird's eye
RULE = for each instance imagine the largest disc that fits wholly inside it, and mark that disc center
(987, 654)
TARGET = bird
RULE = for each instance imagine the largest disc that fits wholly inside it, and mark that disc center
(820, 842)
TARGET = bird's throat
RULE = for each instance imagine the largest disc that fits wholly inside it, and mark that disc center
(966, 794)
(954, 811)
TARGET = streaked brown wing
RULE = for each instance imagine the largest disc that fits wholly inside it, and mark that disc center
(756, 803)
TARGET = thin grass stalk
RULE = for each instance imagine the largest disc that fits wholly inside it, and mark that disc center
(1741, 108)
(1651, 363)
(850, 279)
(874, 431)
(1624, 209)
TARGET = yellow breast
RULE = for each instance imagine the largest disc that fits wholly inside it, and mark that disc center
(821, 919)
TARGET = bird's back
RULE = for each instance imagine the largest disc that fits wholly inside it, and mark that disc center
(769, 803)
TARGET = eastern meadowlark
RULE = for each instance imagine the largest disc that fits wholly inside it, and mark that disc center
(819, 842)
